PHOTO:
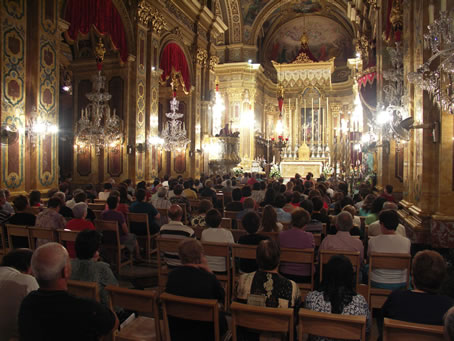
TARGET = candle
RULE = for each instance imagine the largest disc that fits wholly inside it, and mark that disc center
(312, 123)
(431, 13)
(443, 6)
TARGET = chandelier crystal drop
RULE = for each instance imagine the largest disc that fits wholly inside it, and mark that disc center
(437, 80)
(174, 133)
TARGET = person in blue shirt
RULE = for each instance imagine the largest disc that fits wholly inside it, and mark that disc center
(140, 206)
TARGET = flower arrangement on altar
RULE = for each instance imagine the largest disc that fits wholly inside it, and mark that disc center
(275, 172)
(237, 171)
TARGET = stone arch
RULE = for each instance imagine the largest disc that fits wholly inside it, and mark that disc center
(235, 31)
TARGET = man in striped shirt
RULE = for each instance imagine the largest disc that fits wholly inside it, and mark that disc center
(177, 230)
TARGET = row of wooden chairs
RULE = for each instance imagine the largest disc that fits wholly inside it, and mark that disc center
(277, 320)
(376, 297)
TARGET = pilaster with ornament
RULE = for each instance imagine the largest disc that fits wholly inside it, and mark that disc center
(144, 16)
(12, 98)
(200, 117)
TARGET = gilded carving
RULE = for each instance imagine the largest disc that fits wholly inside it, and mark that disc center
(214, 60)
(302, 58)
(201, 56)
(158, 23)
(144, 12)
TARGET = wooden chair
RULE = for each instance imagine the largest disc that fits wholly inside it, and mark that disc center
(301, 256)
(16, 231)
(67, 235)
(333, 326)
(230, 214)
(354, 257)
(226, 223)
(237, 234)
(194, 309)
(270, 235)
(278, 320)
(221, 250)
(165, 245)
(164, 213)
(97, 206)
(3, 234)
(317, 239)
(111, 242)
(84, 289)
(195, 203)
(41, 233)
(244, 252)
(149, 239)
(100, 201)
(144, 302)
(198, 231)
(407, 331)
(389, 261)
(97, 214)
(220, 201)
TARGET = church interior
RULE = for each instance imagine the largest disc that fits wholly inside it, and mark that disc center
(97, 91)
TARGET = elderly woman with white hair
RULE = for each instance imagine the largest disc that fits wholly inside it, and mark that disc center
(78, 223)
(65, 211)
(162, 202)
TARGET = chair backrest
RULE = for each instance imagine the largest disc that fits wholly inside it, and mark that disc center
(84, 289)
(98, 214)
(270, 235)
(163, 212)
(333, 326)
(244, 252)
(390, 261)
(194, 203)
(230, 214)
(195, 309)
(165, 245)
(138, 218)
(301, 256)
(237, 234)
(354, 257)
(279, 320)
(97, 207)
(317, 239)
(226, 223)
(407, 331)
(110, 232)
(16, 231)
(41, 233)
(67, 235)
(198, 231)
(142, 301)
(100, 201)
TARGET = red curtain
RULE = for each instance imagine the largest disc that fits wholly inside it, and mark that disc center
(100, 14)
(173, 56)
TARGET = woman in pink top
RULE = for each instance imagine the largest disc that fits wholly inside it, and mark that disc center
(297, 238)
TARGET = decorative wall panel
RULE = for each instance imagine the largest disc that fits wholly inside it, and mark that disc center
(140, 99)
(13, 34)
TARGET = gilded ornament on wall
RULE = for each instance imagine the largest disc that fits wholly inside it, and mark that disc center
(201, 56)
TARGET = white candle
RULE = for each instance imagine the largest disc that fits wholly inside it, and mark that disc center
(443, 6)
(431, 13)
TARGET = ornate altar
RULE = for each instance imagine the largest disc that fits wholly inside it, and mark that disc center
(223, 153)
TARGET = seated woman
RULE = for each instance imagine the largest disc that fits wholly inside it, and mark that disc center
(217, 234)
(423, 304)
(194, 279)
(336, 294)
(297, 238)
(78, 223)
(199, 218)
(269, 220)
(87, 267)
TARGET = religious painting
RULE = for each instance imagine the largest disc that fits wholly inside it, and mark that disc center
(309, 134)
(327, 39)
(250, 9)
(307, 6)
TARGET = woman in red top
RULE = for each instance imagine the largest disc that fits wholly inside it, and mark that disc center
(78, 224)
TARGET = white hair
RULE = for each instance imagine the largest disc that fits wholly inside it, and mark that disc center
(48, 261)
(389, 205)
(60, 195)
(344, 221)
(80, 210)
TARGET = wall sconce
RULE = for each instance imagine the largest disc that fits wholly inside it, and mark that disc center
(141, 147)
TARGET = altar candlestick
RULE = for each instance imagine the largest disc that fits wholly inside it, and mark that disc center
(305, 123)
(326, 121)
(319, 120)
(431, 13)
(312, 123)
(443, 6)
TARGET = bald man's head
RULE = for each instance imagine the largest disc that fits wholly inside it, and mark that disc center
(175, 212)
(389, 205)
(50, 263)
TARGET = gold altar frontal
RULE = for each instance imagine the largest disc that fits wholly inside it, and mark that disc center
(290, 168)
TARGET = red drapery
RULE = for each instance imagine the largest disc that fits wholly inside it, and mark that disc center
(173, 56)
(102, 14)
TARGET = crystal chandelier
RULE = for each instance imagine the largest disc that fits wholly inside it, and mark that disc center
(174, 133)
(97, 127)
(437, 80)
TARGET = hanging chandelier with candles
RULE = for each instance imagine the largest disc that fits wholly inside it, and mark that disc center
(97, 127)
(173, 136)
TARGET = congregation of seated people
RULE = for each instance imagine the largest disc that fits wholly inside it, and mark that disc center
(249, 209)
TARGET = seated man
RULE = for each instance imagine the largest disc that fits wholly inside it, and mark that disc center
(266, 287)
(342, 240)
(194, 279)
(374, 228)
(449, 324)
(314, 225)
(423, 304)
(22, 217)
(140, 206)
(175, 229)
(389, 242)
(16, 282)
(248, 206)
(50, 313)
